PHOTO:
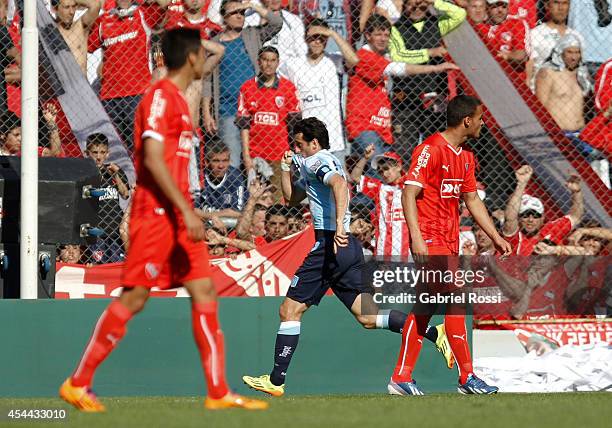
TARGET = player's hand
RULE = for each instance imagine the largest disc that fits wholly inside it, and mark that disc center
(369, 152)
(319, 30)
(503, 246)
(446, 66)
(340, 239)
(49, 113)
(419, 250)
(437, 52)
(194, 225)
(503, 55)
(112, 168)
(209, 124)
(523, 174)
(468, 248)
(287, 158)
(573, 184)
(575, 237)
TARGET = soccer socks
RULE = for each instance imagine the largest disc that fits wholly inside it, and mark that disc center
(394, 321)
(209, 340)
(457, 338)
(431, 333)
(286, 341)
(412, 342)
(109, 330)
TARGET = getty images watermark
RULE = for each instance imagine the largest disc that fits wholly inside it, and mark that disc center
(441, 281)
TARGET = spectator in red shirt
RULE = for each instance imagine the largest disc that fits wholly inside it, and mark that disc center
(476, 11)
(368, 109)
(598, 132)
(525, 224)
(49, 139)
(123, 33)
(267, 107)
(507, 38)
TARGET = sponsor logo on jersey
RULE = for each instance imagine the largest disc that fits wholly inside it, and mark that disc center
(266, 118)
(421, 162)
(120, 39)
(451, 188)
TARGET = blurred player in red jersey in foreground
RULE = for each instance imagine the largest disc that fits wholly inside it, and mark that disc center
(442, 172)
(166, 234)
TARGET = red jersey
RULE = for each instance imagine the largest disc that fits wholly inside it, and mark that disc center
(598, 132)
(444, 173)
(524, 9)
(510, 35)
(267, 110)
(391, 227)
(126, 44)
(163, 114)
(523, 245)
(179, 20)
(367, 105)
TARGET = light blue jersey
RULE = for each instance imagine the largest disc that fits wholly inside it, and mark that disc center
(315, 173)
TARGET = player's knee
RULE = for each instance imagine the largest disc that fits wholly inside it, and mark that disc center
(367, 321)
(135, 299)
(289, 311)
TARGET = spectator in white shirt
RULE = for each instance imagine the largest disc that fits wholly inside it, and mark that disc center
(290, 40)
(317, 77)
(545, 36)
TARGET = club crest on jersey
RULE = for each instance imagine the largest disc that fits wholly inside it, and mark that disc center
(315, 166)
(280, 101)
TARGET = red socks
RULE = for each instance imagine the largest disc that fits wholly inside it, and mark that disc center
(209, 339)
(109, 330)
(457, 338)
(412, 341)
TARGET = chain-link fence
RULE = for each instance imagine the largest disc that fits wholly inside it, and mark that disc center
(379, 74)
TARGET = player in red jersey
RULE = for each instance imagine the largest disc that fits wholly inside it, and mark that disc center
(166, 234)
(442, 172)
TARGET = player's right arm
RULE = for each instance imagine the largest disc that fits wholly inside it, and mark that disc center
(523, 175)
(409, 195)
(154, 163)
(292, 194)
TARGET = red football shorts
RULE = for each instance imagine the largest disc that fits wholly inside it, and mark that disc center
(161, 255)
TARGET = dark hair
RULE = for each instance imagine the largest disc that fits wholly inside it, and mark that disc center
(316, 22)
(376, 22)
(177, 44)
(496, 222)
(55, 3)
(296, 213)
(267, 49)
(8, 122)
(97, 139)
(214, 146)
(277, 209)
(459, 108)
(224, 3)
(312, 128)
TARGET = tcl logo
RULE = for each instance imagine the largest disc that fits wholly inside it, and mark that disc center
(451, 188)
(266, 118)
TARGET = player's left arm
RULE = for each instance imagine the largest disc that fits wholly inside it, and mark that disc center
(478, 210)
(93, 10)
(340, 190)
(577, 209)
(215, 53)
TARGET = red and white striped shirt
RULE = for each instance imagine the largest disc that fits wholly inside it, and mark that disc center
(391, 229)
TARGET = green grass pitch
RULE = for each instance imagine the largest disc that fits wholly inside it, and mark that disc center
(375, 410)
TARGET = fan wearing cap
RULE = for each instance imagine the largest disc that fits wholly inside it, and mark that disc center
(525, 224)
(391, 228)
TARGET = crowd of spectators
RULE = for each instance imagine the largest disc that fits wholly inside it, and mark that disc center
(380, 83)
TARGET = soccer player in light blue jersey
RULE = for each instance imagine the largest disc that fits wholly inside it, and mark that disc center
(336, 260)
